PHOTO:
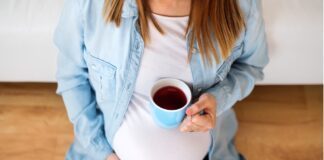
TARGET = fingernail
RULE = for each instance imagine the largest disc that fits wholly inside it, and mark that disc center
(188, 111)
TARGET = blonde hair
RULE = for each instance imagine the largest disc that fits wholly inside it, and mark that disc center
(209, 20)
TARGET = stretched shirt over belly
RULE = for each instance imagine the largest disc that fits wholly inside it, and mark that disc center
(139, 137)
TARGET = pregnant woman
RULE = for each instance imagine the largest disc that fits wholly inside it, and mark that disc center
(112, 52)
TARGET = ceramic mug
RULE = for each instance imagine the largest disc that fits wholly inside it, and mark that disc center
(168, 118)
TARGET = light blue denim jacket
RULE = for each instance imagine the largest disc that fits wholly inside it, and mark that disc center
(98, 65)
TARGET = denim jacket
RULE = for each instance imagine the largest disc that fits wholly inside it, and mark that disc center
(98, 64)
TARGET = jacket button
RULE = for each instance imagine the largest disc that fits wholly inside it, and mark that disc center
(199, 89)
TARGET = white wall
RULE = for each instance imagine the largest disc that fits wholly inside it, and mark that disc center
(294, 29)
(295, 32)
(27, 52)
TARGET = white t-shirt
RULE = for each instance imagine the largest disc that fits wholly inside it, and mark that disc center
(139, 137)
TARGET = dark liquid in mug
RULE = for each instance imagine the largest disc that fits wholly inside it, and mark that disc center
(170, 98)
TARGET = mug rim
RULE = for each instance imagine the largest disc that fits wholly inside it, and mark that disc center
(174, 80)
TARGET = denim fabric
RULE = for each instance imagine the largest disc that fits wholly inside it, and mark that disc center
(98, 64)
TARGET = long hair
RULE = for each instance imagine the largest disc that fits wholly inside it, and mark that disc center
(210, 21)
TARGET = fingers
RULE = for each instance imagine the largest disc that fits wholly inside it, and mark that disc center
(196, 108)
(113, 157)
(185, 123)
(189, 126)
(204, 120)
(205, 102)
(195, 122)
(196, 128)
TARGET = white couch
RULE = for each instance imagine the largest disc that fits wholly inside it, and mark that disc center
(294, 29)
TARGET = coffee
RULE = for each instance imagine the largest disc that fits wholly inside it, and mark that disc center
(170, 98)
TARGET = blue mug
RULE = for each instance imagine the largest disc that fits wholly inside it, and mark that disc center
(164, 117)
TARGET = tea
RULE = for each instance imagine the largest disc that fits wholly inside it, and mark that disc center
(170, 98)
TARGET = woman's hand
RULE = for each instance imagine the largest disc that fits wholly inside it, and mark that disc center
(194, 121)
(113, 157)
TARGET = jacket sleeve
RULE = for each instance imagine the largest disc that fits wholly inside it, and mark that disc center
(74, 86)
(248, 68)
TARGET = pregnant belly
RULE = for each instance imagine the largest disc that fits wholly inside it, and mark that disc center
(140, 138)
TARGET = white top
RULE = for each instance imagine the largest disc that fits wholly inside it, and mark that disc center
(139, 137)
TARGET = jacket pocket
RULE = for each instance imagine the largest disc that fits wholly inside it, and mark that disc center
(102, 77)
